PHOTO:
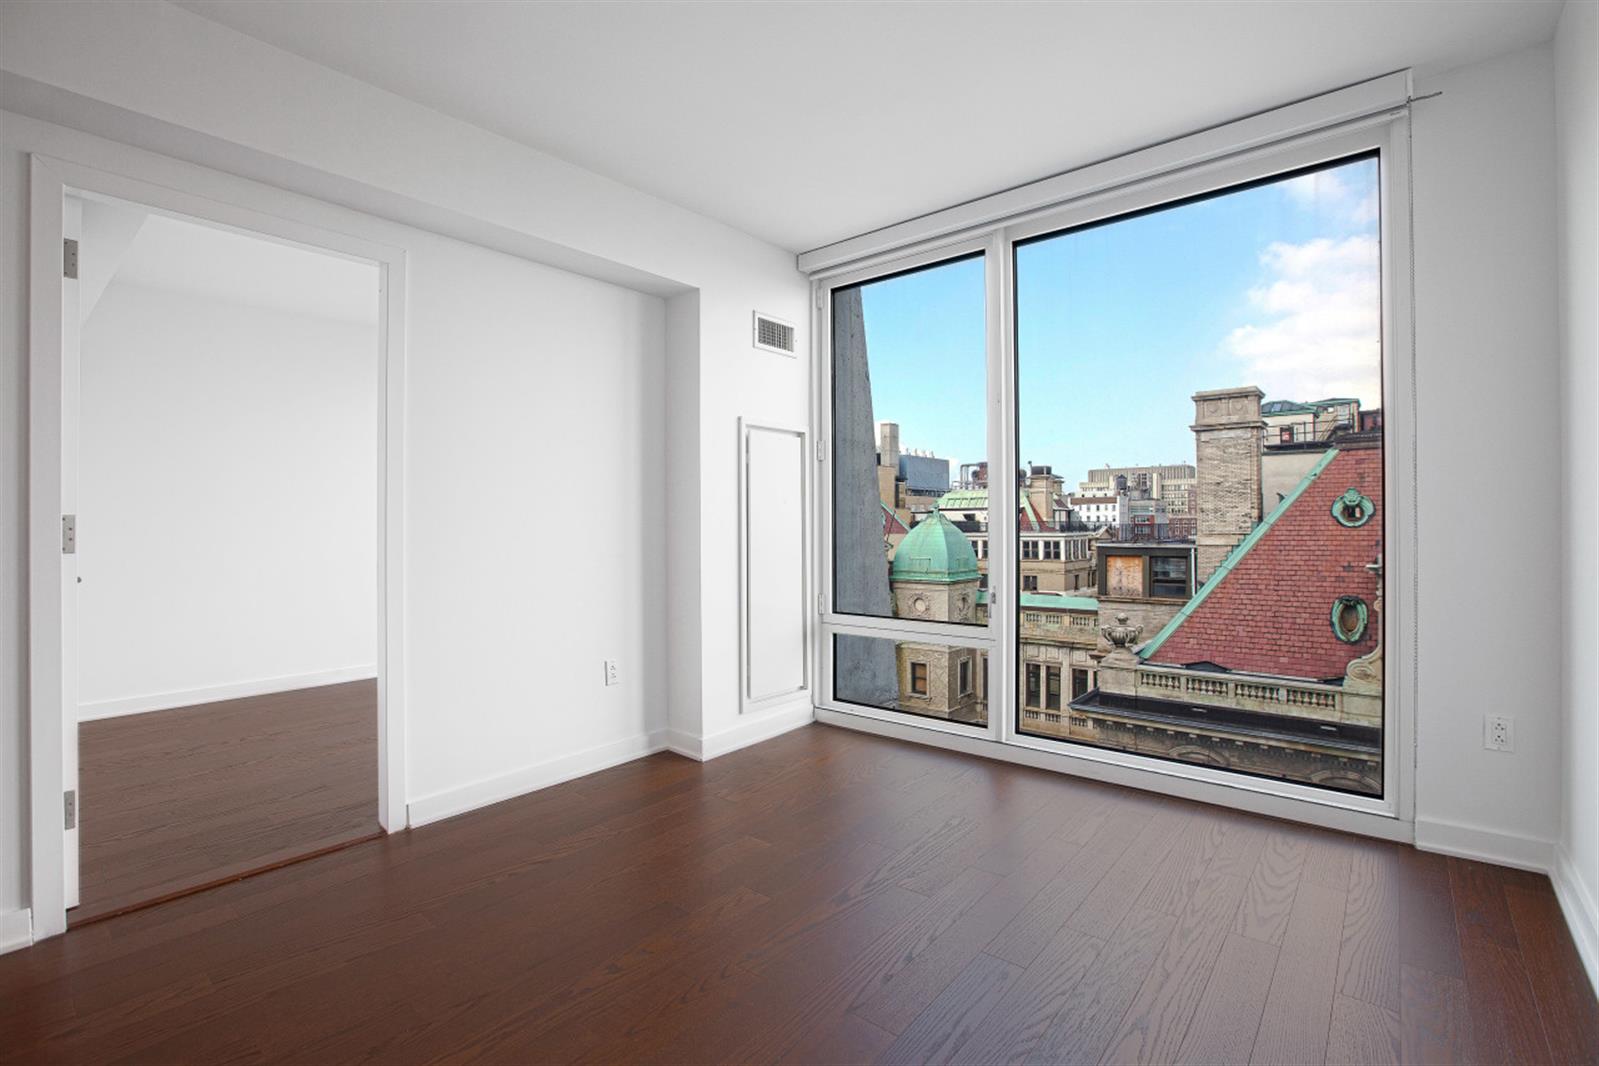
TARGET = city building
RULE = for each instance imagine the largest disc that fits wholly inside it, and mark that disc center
(934, 578)
(1172, 483)
(1273, 665)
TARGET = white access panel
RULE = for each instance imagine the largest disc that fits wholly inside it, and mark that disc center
(773, 579)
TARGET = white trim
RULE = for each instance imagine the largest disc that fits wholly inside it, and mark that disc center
(501, 787)
(16, 930)
(220, 200)
(1581, 908)
(1485, 845)
(1145, 778)
(768, 723)
(749, 701)
(165, 701)
(1321, 112)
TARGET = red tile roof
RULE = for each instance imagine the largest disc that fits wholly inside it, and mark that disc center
(892, 526)
(1271, 612)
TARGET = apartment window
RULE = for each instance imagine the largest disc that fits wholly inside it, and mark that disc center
(1029, 582)
(1168, 576)
(965, 677)
(1029, 549)
(918, 679)
(1255, 277)
(1051, 549)
(1035, 685)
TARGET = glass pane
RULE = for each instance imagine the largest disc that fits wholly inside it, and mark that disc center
(1199, 401)
(924, 678)
(910, 441)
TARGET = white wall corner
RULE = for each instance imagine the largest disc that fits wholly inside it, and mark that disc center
(1485, 845)
(453, 801)
(16, 930)
(1581, 908)
(760, 725)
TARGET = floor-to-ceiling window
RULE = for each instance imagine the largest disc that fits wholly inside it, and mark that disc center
(1132, 458)
(1205, 382)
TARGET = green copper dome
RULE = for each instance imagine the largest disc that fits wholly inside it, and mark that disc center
(935, 552)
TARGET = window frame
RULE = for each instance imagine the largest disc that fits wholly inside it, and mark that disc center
(1383, 130)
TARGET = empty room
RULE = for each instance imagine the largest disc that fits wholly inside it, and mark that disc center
(799, 531)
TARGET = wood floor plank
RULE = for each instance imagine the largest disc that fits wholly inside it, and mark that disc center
(1228, 1015)
(1559, 984)
(1428, 937)
(1012, 1030)
(1363, 1034)
(1368, 960)
(941, 1030)
(1089, 1018)
(1269, 896)
(1155, 1024)
(1025, 936)
(761, 908)
(1299, 1008)
(1434, 1019)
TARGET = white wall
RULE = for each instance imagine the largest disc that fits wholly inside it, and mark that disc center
(227, 499)
(534, 374)
(1577, 182)
(1487, 370)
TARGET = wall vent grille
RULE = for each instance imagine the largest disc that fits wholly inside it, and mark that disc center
(773, 334)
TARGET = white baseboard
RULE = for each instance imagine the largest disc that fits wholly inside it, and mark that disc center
(16, 930)
(762, 725)
(453, 801)
(166, 701)
(1485, 845)
(1581, 908)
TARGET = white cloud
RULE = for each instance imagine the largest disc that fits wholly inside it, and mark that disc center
(1327, 194)
(1320, 322)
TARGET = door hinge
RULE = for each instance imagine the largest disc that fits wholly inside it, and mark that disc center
(821, 451)
(69, 534)
(70, 803)
(819, 298)
(69, 258)
(821, 603)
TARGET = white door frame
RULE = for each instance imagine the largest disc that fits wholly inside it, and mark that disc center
(52, 575)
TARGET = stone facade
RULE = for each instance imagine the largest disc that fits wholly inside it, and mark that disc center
(1227, 448)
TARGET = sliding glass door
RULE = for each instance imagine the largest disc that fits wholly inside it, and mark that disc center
(1111, 482)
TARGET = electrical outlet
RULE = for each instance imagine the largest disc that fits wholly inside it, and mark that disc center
(1499, 732)
(612, 673)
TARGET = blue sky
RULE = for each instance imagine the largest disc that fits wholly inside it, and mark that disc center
(1119, 325)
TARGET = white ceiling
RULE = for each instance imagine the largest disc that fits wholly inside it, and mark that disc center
(804, 123)
(170, 253)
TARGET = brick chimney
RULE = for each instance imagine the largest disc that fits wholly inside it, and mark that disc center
(1227, 446)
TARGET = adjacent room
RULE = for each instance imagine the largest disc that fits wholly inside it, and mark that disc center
(804, 532)
(226, 547)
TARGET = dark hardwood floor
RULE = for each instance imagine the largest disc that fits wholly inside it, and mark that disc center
(827, 897)
(176, 799)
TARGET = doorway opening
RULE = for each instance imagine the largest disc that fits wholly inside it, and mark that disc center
(221, 418)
